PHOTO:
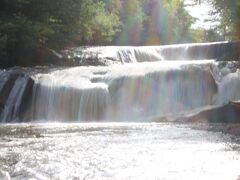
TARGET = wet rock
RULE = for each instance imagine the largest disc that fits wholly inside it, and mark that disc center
(228, 113)
(84, 56)
(7, 81)
(15, 95)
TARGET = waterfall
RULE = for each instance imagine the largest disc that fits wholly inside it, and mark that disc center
(144, 84)
(15, 94)
(123, 93)
(110, 55)
(71, 98)
(229, 88)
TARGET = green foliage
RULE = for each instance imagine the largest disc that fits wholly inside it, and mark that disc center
(132, 18)
(228, 14)
(205, 35)
(102, 27)
(29, 25)
(3, 42)
(181, 21)
(149, 22)
(167, 22)
(18, 36)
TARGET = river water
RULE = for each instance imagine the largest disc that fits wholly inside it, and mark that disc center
(132, 88)
(117, 151)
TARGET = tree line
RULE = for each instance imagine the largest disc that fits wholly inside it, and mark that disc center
(227, 12)
(28, 27)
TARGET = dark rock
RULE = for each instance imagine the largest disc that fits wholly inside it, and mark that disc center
(15, 95)
(42, 57)
(229, 113)
(25, 102)
(7, 81)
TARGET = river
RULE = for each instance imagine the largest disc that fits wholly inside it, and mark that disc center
(117, 151)
(110, 121)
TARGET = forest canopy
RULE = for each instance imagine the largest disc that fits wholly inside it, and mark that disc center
(27, 27)
(227, 12)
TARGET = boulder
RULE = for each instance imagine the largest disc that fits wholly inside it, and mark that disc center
(228, 113)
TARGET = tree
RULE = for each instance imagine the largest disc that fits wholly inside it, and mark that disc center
(27, 26)
(131, 17)
(227, 12)
(205, 35)
(167, 22)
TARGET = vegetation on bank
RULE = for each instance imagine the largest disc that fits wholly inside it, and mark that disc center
(30, 27)
(227, 12)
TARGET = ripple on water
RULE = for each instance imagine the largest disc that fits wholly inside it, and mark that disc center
(116, 151)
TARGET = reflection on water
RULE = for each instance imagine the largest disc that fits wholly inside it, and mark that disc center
(116, 151)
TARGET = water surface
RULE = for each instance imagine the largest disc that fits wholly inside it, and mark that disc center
(116, 151)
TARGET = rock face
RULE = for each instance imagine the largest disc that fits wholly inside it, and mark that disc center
(228, 113)
(15, 95)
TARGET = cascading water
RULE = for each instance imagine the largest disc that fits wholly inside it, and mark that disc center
(229, 88)
(131, 92)
(136, 84)
(66, 96)
(109, 55)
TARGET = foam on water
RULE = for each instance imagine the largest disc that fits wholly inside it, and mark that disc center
(123, 92)
(116, 151)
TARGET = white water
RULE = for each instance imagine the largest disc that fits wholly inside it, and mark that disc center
(116, 151)
(134, 91)
(134, 54)
(229, 88)
(145, 85)
(131, 92)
